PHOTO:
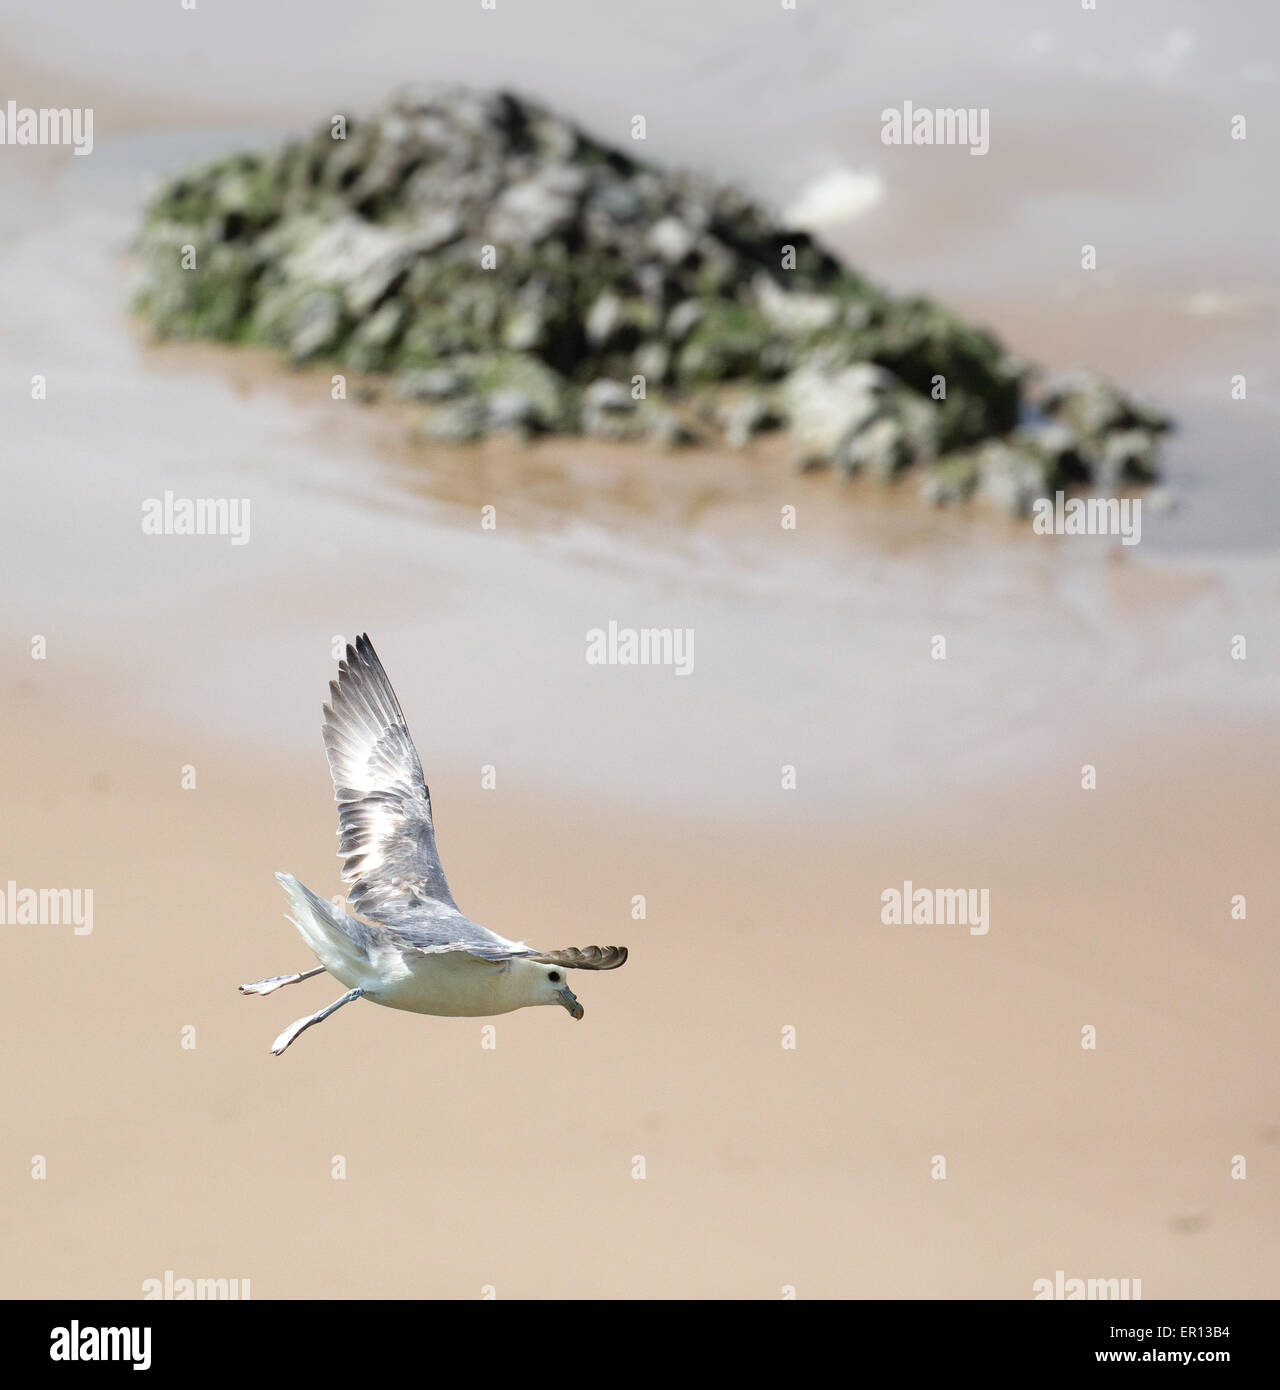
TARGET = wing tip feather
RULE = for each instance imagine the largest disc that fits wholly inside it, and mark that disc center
(586, 957)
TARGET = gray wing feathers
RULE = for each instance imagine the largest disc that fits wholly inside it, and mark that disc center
(437, 929)
(495, 949)
(388, 842)
(387, 837)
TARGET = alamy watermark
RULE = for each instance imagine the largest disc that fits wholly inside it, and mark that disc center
(76, 1343)
(47, 125)
(1062, 1287)
(47, 907)
(644, 646)
(1061, 515)
(937, 907)
(196, 516)
(172, 1287)
(946, 125)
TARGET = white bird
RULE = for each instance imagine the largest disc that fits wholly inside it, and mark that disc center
(403, 942)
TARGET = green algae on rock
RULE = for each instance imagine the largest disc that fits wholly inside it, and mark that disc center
(511, 273)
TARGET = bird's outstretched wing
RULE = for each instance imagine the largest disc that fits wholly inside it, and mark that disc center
(388, 840)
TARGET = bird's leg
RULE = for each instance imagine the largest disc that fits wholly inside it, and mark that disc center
(274, 982)
(303, 1024)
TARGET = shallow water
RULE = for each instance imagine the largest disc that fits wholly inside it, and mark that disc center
(812, 646)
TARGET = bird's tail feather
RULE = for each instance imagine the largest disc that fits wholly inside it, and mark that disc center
(322, 927)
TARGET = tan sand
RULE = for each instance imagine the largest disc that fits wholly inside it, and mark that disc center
(765, 1167)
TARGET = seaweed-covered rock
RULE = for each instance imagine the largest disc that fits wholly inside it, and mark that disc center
(1066, 458)
(1128, 456)
(316, 327)
(458, 422)
(609, 412)
(951, 480)
(667, 429)
(858, 417)
(1092, 406)
(520, 392)
(515, 273)
(748, 414)
(883, 449)
(826, 408)
(430, 384)
(1011, 478)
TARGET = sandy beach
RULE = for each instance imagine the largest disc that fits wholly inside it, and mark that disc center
(765, 1167)
(670, 1145)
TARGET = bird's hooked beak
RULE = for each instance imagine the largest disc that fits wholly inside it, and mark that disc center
(570, 1001)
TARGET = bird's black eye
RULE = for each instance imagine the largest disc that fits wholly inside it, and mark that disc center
(554, 977)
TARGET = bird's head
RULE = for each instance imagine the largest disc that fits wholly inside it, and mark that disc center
(556, 989)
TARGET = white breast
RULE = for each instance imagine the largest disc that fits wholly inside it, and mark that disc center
(452, 985)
